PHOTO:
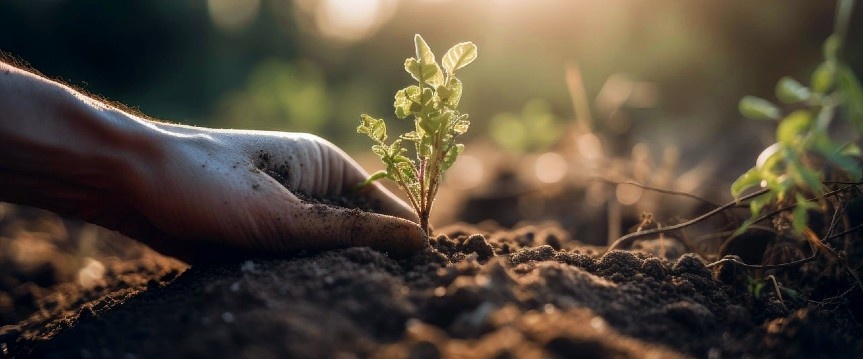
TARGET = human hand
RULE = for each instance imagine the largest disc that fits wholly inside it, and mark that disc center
(194, 193)
(239, 190)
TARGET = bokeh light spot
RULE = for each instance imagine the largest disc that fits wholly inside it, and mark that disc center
(628, 194)
(551, 167)
(467, 172)
(233, 15)
(352, 20)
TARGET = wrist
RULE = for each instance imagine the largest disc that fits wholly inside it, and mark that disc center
(70, 144)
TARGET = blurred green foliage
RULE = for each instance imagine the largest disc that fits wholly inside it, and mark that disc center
(279, 96)
(178, 60)
(809, 149)
(535, 129)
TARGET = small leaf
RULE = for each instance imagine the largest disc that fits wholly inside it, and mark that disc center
(451, 155)
(790, 91)
(845, 157)
(411, 136)
(380, 150)
(853, 92)
(831, 47)
(823, 77)
(374, 177)
(460, 126)
(758, 108)
(374, 128)
(792, 126)
(459, 56)
(423, 51)
(748, 180)
(744, 227)
(769, 157)
(759, 203)
(851, 150)
(800, 215)
(454, 89)
(424, 68)
(805, 178)
(402, 104)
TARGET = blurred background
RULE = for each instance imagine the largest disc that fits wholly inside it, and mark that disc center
(564, 94)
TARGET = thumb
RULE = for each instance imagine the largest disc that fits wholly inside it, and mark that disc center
(323, 226)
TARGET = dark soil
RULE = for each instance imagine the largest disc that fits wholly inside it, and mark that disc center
(528, 292)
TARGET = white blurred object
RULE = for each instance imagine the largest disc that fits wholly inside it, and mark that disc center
(91, 274)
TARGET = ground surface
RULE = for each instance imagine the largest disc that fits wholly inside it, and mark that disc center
(476, 292)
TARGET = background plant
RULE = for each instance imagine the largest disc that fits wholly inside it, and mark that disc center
(811, 146)
(433, 104)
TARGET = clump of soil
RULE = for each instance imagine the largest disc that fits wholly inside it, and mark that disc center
(528, 292)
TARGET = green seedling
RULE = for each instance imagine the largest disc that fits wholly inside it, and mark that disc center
(432, 103)
(807, 153)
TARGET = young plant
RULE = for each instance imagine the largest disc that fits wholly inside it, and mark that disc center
(806, 152)
(432, 103)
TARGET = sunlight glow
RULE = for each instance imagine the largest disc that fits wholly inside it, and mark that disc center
(233, 15)
(348, 20)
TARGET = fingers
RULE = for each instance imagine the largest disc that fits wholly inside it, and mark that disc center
(322, 226)
(389, 204)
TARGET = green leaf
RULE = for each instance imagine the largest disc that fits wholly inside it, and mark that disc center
(831, 47)
(853, 93)
(411, 136)
(823, 77)
(453, 93)
(748, 180)
(770, 157)
(424, 68)
(851, 150)
(805, 177)
(460, 125)
(758, 108)
(790, 91)
(744, 227)
(459, 56)
(402, 104)
(374, 177)
(845, 157)
(376, 129)
(759, 203)
(451, 155)
(800, 215)
(380, 150)
(423, 51)
(794, 125)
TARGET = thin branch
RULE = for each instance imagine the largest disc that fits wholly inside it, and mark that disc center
(633, 236)
(656, 189)
(737, 262)
(791, 206)
(849, 230)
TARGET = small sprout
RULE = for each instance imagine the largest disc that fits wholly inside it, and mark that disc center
(433, 103)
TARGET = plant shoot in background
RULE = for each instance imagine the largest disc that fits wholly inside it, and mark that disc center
(806, 153)
(432, 103)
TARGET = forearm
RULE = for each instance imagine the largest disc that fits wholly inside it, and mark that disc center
(57, 144)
